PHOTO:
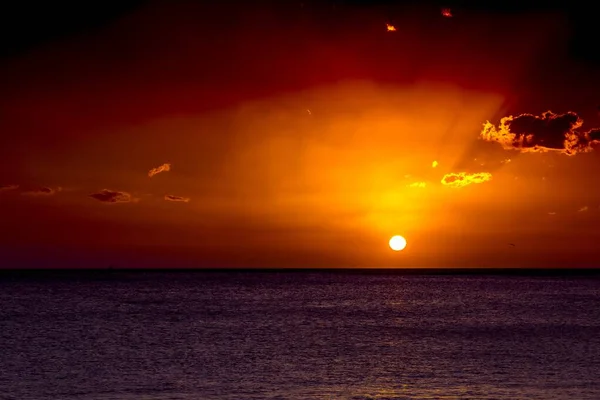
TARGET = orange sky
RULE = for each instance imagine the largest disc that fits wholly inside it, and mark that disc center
(293, 139)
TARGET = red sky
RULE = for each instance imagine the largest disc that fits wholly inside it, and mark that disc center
(294, 135)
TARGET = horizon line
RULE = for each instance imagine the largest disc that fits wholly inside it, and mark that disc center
(515, 271)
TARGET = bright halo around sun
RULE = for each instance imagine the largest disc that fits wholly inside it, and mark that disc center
(397, 243)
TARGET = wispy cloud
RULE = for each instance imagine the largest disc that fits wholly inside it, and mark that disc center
(461, 179)
(161, 168)
(583, 209)
(6, 188)
(170, 197)
(112, 196)
(418, 184)
(42, 191)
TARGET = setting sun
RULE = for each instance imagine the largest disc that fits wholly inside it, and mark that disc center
(397, 243)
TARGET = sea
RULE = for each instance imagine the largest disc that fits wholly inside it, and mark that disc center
(298, 335)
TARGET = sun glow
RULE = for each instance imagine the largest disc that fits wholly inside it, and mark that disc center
(397, 243)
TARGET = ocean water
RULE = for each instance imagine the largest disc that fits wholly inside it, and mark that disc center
(305, 335)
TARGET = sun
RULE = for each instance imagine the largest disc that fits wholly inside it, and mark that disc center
(397, 243)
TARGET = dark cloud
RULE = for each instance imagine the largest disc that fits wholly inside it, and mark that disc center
(4, 188)
(42, 191)
(170, 197)
(547, 132)
(594, 134)
(111, 196)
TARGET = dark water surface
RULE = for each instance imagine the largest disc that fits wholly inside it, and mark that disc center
(300, 336)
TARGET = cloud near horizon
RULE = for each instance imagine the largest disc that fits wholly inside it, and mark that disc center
(5, 188)
(170, 197)
(530, 133)
(461, 179)
(42, 191)
(112, 196)
(161, 168)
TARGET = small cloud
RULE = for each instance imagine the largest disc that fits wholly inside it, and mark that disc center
(434, 164)
(42, 191)
(583, 209)
(390, 28)
(551, 213)
(461, 179)
(161, 168)
(112, 196)
(446, 12)
(170, 197)
(506, 161)
(418, 184)
(6, 188)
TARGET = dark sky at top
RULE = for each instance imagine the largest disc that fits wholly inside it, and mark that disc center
(27, 24)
